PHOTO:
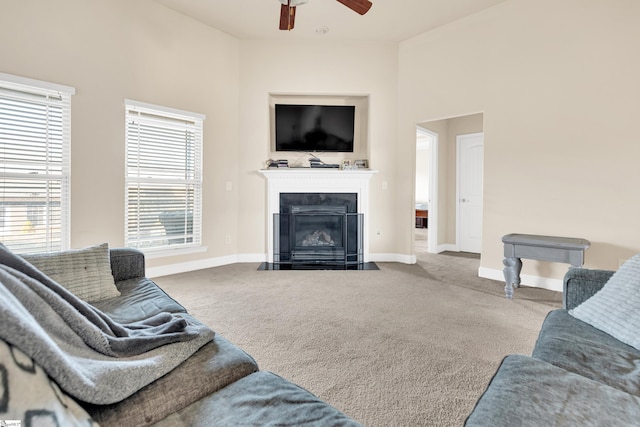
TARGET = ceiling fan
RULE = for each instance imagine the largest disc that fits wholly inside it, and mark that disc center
(288, 10)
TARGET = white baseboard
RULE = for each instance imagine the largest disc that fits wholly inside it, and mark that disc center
(447, 247)
(184, 267)
(252, 258)
(487, 273)
(404, 259)
(525, 279)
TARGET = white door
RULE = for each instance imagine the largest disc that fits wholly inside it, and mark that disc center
(470, 149)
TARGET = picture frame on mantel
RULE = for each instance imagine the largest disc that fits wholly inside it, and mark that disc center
(361, 164)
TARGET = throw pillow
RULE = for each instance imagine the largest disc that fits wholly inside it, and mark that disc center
(615, 309)
(85, 272)
(27, 394)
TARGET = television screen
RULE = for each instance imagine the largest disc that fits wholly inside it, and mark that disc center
(314, 127)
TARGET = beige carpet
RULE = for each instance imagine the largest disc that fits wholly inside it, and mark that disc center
(408, 345)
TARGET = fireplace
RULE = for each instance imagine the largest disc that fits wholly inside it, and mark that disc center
(319, 182)
(318, 229)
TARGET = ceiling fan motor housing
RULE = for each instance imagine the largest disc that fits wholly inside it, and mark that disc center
(293, 2)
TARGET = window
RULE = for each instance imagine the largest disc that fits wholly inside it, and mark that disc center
(163, 177)
(35, 139)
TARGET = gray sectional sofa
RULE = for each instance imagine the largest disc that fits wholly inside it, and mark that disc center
(217, 384)
(577, 375)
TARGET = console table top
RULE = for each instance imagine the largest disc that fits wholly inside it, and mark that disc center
(546, 241)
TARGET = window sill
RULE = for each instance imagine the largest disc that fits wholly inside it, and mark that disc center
(162, 253)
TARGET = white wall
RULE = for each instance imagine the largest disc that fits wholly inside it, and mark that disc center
(110, 50)
(558, 84)
(423, 159)
(316, 68)
(556, 80)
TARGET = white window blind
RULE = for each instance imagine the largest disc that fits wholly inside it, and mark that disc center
(35, 139)
(163, 177)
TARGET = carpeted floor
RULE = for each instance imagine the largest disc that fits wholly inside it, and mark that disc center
(407, 345)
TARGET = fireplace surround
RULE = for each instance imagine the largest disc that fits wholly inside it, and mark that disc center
(319, 182)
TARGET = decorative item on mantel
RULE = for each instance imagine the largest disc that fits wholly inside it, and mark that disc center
(282, 163)
(348, 165)
(355, 164)
(361, 164)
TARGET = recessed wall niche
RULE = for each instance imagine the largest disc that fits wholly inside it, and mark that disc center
(361, 126)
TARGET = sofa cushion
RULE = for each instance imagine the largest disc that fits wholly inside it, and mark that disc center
(27, 394)
(85, 272)
(530, 392)
(126, 263)
(261, 399)
(210, 369)
(139, 299)
(571, 344)
(560, 324)
(615, 309)
(580, 284)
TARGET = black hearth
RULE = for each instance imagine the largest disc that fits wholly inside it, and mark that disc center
(318, 229)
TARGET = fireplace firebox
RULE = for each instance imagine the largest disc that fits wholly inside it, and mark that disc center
(318, 229)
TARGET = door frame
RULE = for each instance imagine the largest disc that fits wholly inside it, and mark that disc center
(432, 237)
(459, 139)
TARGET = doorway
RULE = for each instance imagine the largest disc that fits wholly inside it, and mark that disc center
(443, 229)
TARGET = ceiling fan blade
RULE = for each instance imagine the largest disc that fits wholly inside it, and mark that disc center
(287, 17)
(359, 6)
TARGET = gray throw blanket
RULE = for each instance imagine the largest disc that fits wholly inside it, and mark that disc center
(90, 356)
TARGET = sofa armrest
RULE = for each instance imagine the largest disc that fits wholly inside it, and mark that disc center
(580, 284)
(126, 263)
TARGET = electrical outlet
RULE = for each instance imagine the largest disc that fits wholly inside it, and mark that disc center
(227, 239)
(229, 186)
(384, 185)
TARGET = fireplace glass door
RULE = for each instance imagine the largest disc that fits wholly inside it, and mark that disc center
(318, 238)
(318, 229)
(317, 233)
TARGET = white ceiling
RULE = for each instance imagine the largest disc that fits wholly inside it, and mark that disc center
(387, 20)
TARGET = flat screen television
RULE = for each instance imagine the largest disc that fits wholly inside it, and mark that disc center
(314, 127)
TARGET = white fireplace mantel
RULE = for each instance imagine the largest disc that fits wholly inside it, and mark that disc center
(316, 180)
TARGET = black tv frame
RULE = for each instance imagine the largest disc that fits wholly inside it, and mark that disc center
(314, 128)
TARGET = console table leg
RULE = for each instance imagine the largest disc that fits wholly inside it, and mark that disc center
(512, 268)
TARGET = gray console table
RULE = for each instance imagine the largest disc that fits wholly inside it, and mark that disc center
(542, 248)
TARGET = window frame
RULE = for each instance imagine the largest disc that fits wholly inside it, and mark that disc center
(57, 154)
(146, 114)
